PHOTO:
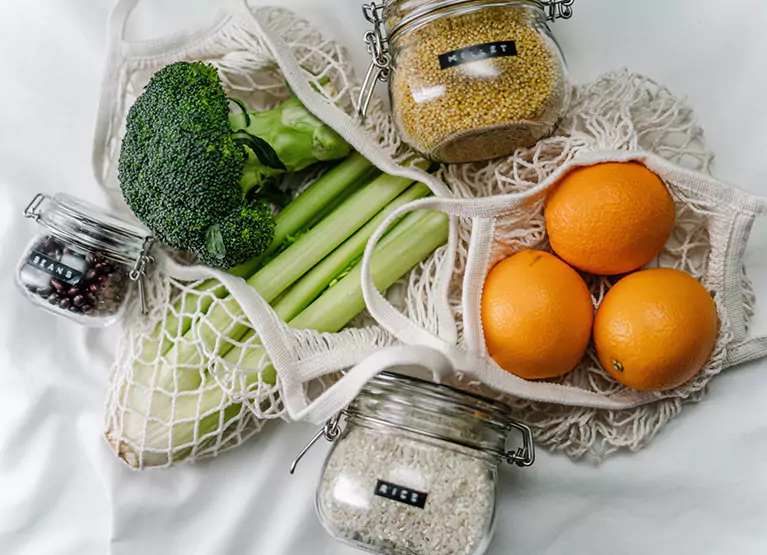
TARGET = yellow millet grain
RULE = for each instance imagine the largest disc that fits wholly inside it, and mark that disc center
(480, 109)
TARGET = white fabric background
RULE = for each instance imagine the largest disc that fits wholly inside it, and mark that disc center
(701, 487)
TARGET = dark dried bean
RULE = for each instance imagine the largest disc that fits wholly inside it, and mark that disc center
(94, 288)
(90, 275)
(86, 309)
(65, 303)
(53, 299)
(73, 291)
(57, 285)
(45, 292)
(74, 309)
(79, 300)
(103, 279)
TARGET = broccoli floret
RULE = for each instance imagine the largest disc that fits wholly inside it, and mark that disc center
(192, 173)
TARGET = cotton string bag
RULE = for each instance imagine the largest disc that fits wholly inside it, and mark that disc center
(160, 413)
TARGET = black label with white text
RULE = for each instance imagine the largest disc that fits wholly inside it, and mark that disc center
(478, 52)
(401, 494)
(60, 271)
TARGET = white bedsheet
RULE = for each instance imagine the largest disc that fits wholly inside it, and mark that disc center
(700, 488)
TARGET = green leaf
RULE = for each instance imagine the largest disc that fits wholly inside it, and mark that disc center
(214, 241)
(263, 150)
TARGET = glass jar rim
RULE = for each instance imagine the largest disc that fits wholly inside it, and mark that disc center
(89, 227)
(497, 410)
(388, 401)
(429, 8)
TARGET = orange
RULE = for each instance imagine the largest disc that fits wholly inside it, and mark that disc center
(537, 314)
(656, 329)
(610, 218)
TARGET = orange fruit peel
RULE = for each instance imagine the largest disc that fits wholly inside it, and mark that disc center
(610, 218)
(537, 314)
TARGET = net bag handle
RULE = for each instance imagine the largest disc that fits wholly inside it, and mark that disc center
(343, 392)
(742, 209)
(483, 210)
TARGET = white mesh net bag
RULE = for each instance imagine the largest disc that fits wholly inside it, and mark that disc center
(176, 397)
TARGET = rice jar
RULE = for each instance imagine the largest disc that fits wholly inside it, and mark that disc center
(415, 471)
(474, 80)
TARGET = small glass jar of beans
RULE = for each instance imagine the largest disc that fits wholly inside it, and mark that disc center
(469, 80)
(85, 263)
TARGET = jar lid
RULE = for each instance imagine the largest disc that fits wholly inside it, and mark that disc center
(410, 391)
(404, 389)
(89, 227)
(400, 14)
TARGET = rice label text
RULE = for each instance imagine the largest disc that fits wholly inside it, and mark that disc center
(500, 49)
(60, 271)
(401, 494)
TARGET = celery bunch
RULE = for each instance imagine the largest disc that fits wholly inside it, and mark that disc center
(310, 276)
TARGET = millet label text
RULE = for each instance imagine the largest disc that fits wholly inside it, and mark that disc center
(478, 52)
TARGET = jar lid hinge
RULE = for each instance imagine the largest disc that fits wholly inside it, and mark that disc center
(330, 431)
(31, 211)
(378, 48)
(138, 273)
(558, 9)
(524, 456)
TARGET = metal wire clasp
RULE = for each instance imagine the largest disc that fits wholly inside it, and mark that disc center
(524, 456)
(559, 9)
(138, 274)
(330, 431)
(378, 48)
(32, 209)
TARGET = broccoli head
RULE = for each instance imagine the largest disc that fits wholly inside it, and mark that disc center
(191, 171)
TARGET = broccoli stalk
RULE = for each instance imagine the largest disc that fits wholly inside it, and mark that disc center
(193, 174)
(287, 139)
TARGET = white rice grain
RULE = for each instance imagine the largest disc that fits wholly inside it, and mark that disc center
(458, 514)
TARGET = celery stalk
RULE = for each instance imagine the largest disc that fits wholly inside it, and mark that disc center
(342, 302)
(309, 287)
